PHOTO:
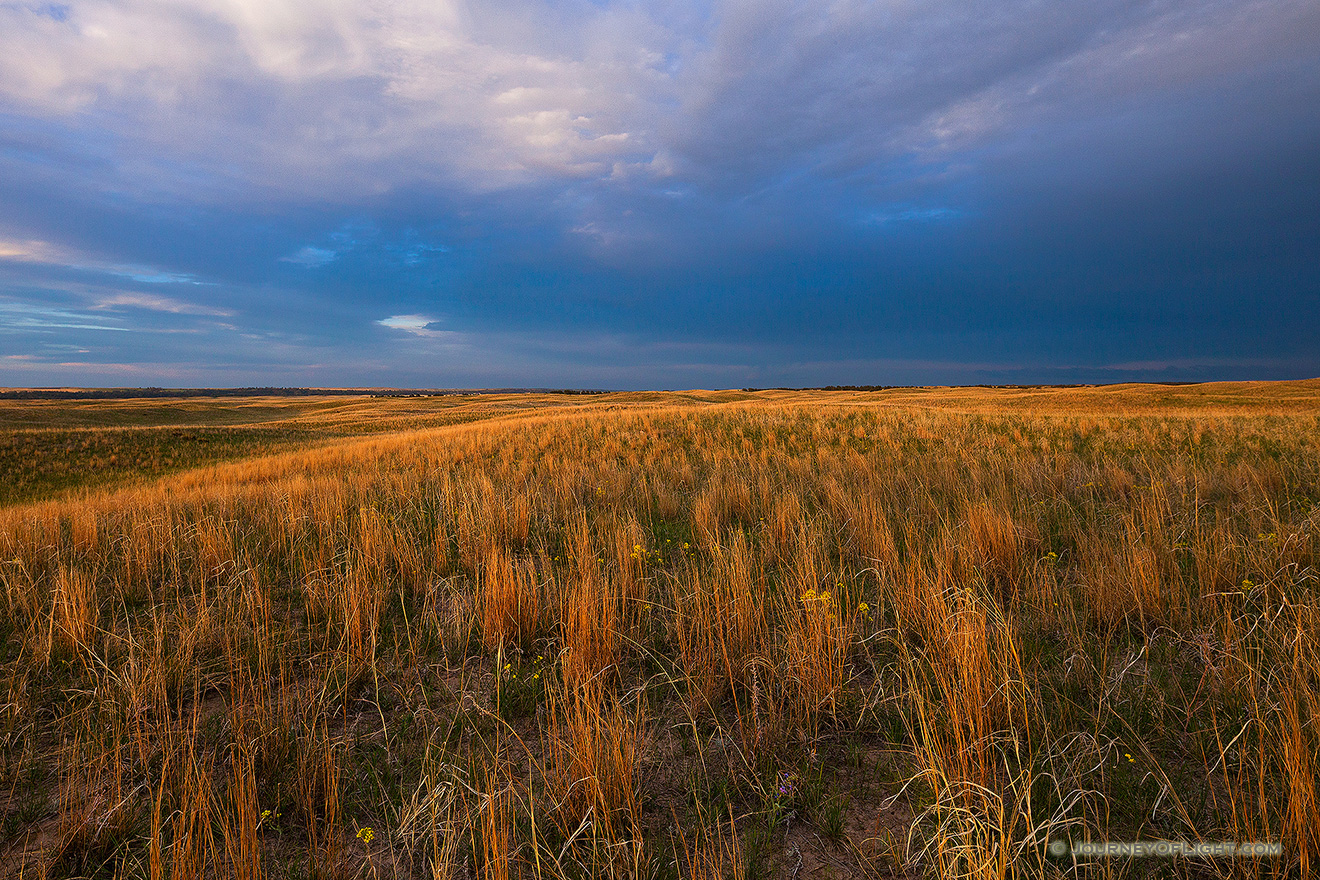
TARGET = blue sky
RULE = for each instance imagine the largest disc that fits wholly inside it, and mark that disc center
(426, 193)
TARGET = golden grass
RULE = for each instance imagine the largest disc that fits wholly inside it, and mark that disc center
(639, 635)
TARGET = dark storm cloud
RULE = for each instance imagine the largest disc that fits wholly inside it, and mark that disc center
(665, 194)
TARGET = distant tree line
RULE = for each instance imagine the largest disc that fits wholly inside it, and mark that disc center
(983, 385)
(135, 393)
(830, 388)
(132, 393)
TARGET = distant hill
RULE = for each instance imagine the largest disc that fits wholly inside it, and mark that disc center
(134, 393)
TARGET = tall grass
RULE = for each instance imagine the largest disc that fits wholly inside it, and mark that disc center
(711, 641)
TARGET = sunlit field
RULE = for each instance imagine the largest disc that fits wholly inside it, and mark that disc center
(907, 633)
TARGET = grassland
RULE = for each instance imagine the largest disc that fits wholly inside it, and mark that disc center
(49, 446)
(913, 633)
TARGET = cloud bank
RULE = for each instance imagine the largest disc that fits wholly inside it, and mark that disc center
(657, 194)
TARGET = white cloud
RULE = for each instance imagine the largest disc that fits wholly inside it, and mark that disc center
(49, 254)
(22, 316)
(339, 100)
(30, 251)
(411, 323)
(311, 257)
(307, 95)
(428, 328)
(133, 299)
(57, 255)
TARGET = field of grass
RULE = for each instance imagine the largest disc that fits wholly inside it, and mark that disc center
(909, 633)
(49, 446)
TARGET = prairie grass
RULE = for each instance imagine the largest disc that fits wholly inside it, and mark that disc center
(709, 635)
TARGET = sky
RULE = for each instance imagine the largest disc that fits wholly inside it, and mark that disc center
(666, 194)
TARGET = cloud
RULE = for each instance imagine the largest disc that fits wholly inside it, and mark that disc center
(433, 332)
(19, 316)
(410, 323)
(782, 175)
(29, 251)
(417, 253)
(348, 101)
(900, 214)
(311, 257)
(158, 304)
(150, 276)
(48, 254)
(346, 97)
